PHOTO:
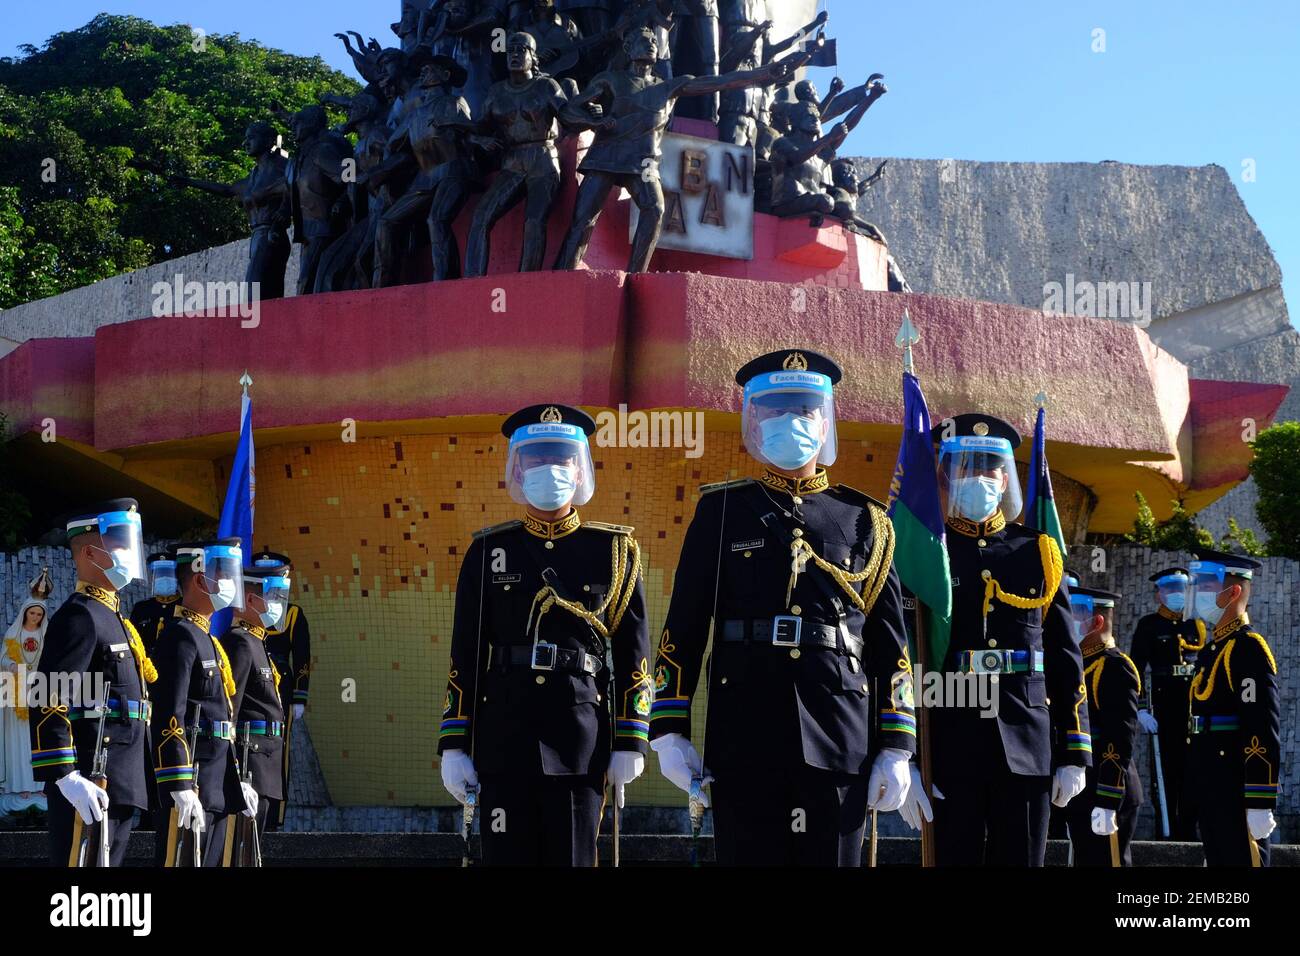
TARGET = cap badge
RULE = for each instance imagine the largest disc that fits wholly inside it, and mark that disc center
(795, 362)
(981, 429)
(551, 415)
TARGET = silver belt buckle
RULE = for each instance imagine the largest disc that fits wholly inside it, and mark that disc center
(785, 630)
(1195, 725)
(1183, 670)
(987, 662)
(544, 657)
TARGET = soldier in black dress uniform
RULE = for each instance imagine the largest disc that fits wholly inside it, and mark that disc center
(810, 711)
(259, 711)
(1103, 818)
(998, 767)
(1235, 754)
(151, 615)
(87, 636)
(289, 644)
(193, 691)
(544, 606)
(1167, 644)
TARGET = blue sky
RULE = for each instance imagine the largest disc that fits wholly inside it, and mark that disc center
(1187, 83)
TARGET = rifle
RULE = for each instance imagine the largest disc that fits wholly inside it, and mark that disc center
(94, 835)
(184, 846)
(467, 821)
(1158, 780)
(246, 835)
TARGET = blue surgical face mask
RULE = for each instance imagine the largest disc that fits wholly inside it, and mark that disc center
(790, 441)
(976, 498)
(1207, 608)
(118, 573)
(550, 487)
(1176, 602)
(224, 596)
(271, 616)
(164, 587)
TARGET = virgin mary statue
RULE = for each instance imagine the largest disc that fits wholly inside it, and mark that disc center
(23, 643)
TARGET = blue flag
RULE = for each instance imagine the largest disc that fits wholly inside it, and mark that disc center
(237, 512)
(920, 555)
(1040, 506)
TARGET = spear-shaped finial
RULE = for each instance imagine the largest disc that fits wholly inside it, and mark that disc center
(907, 337)
(1041, 399)
(246, 381)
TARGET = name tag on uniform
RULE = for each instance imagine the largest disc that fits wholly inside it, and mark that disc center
(265, 672)
(207, 663)
(506, 578)
(747, 545)
(118, 647)
(956, 581)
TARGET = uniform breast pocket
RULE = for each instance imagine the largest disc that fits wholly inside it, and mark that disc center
(204, 682)
(593, 595)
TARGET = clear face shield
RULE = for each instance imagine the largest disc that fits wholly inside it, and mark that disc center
(549, 466)
(162, 578)
(1171, 592)
(788, 419)
(978, 477)
(122, 540)
(1084, 610)
(222, 570)
(273, 592)
(1209, 580)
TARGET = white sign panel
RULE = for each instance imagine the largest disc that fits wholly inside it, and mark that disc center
(708, 197)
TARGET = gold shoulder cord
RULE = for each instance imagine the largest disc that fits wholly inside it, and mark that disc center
(1200, 633)
(625, 568)
(876, 573)
(142, 661)
(1052, 568)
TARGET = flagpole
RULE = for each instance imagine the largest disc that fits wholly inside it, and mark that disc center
(906, 338)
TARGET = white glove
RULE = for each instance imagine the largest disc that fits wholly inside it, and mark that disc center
(1067, 784)
(458, 773)
(680, 762)
(1260, 823)
(916, 805)
(86, 798)
(250, 799)
(297, 712)
(1103, 821)
(1148, 721)
(889, 780)
(624, 767)
(189, 811)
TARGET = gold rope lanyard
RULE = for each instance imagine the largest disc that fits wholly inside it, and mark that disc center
(1053, 567)
(878, 564)
(625, 568)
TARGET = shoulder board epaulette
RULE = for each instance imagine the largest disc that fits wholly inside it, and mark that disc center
(1132, 668)
(719, 485)
(848, 491)
(1268, 651)
(494, 529)
(611, 528)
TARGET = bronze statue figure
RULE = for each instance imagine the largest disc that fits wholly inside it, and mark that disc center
(520, 119)
(262, 193)
(317, 189)
(630, 109)
(463, 32)
(747, 47)
(434, 129)
(801, 156)
(695, 51)
(845, 191)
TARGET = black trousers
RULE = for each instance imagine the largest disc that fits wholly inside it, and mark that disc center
(997, 818)
(536, 820)
(1214, 767)
(60, 818)
(1091, 849)
(808, 818)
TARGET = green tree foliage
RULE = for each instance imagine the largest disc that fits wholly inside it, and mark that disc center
(120, 88)
(1179, 533)
(1277, 477)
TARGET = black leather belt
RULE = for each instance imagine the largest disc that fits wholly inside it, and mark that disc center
(545, 657)
(788, 631)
